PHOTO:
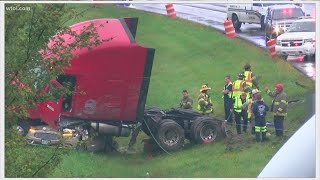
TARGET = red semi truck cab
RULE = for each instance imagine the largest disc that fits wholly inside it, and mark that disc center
(110, 85)
(109, 82)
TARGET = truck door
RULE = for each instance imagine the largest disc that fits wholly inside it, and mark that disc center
(255, 14)
(51, 108)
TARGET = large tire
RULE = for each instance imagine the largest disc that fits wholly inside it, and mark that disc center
(236, 23)
(170, 135)
(192, 129)
(205, 131)
(23, 127)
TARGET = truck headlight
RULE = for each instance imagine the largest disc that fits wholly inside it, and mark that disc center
(278, 42)
(309, 40)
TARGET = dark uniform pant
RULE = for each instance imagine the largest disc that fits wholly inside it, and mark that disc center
(227, 107)
(260, 128)
(237, 118)
(278, 125)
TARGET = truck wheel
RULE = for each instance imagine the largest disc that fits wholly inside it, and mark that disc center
(170, 135)
(206, 131)
(192, 129)
(236, 23)
(263, 26)
(23, 127)
(308, 58)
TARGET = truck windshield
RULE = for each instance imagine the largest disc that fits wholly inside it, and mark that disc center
(67, 81)
(289, 13)
(53, 92)
(308, 26)
(268, 4)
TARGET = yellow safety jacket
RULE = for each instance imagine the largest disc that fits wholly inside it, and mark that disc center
(206, 100)
(249, 107)
(237, 88)
(237, 106)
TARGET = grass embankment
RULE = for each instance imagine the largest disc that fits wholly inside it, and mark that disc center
(188, 55)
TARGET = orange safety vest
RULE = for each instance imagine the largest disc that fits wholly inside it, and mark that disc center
(248, 78)
(237, 88)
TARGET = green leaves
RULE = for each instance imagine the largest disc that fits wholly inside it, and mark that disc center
(30, 64)
(29, 58)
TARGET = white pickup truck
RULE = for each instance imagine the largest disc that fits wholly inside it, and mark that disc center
(253, 13)
(299, 40)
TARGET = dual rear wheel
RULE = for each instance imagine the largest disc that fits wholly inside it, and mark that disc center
(170, 135)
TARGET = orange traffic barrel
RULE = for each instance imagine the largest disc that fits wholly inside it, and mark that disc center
(229, 29)
(271, 44)
(170, 11)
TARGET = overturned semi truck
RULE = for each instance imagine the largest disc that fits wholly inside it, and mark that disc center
(109, 87)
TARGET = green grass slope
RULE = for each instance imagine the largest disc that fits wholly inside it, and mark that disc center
(188, 55)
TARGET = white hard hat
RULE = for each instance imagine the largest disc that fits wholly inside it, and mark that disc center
(254, 91)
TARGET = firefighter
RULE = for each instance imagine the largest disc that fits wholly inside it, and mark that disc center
(255, 93)
(259, 109)
(186, 102)
(249, 78)
(279, 107)
(238, 86)
(240, 112)
(247, 107)
(204, 100)
(227, 97)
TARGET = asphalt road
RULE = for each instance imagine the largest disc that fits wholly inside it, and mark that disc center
(215, 14)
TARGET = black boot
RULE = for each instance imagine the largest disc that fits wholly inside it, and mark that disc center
(258, 136)
(245, 129)
(264, 137)
(238, 129)
(253, 130)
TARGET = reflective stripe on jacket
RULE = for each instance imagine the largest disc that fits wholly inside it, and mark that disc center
(237, 88)
(279, 103)
(237, 106)
(248, 78)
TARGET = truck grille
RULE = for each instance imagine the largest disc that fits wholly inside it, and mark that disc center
(46, 136)
(287, 25)
(291, 43)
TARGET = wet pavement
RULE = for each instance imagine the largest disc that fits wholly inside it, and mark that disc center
(215, 14)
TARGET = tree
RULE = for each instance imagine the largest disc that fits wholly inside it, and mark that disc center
(29, 61)
(29, 64)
